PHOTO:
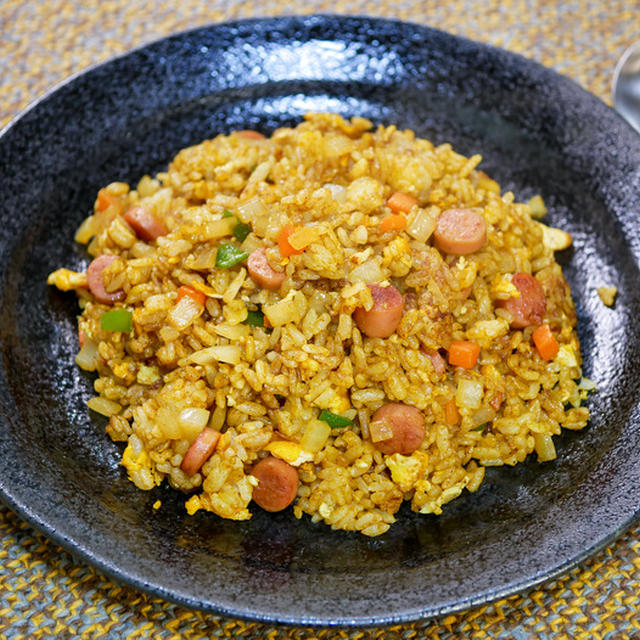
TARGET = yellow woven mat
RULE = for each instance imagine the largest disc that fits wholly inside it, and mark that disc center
(44, 593)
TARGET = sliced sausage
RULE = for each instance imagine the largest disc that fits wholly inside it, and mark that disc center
(530, 307)
(385, 315)
(146, 226)
(277, 484)
(249, 134)
(96, 285)
(261, 271)
(460, 231)
(404, 422)
(200, 451)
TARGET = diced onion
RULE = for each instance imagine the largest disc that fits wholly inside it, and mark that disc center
(422, 224)
(88, 356)
(251, 209)
(167, 421)
(291, 309)
(482, 416)
(545, 448)
(184, 313)
(369, 272)
(232, 332)
(235, 286)
(219, 228)
(380, 430)
(225, 353)
(315, 436)
(208, 291)
(587, 384)
(192, 421)
(205, 260)
(469, 394)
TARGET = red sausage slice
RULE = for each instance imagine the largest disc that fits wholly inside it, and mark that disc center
(145, 224)
(385, 315)
(405, 422)
(96, 285)
(277, 484)
(261, 271)
(530, 307)
(460, 231)
(200, 451)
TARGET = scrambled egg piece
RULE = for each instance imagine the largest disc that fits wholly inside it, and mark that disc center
(290, 452)
(537, 207)
(404, 470)
(67, 280)
(140, 468)
(566, 356)
(502, 288)
(608, 295)
(555, 239)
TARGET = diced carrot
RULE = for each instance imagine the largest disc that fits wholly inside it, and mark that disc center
(451, 412)
(394, 222)
(545, 342)
(401, 202)
(249, 134)
(106, 199)
(283, 241)
(81, 337)
(464, 353)
(198, 296)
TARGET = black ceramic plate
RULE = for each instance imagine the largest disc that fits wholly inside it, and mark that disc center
(538, 133)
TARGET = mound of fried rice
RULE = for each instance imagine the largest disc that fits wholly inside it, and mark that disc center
(264, 383)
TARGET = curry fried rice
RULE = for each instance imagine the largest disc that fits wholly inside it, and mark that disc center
(336, 317)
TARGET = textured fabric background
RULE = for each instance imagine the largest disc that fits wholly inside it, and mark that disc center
(44, 592)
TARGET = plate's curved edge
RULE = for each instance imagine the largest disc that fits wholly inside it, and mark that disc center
(157, 591)
(130, 580)
(303, 18)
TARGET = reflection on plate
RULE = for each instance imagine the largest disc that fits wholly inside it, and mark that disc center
(538, 133)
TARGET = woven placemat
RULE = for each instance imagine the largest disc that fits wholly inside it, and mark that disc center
(44, 592)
